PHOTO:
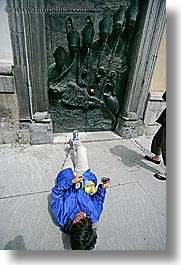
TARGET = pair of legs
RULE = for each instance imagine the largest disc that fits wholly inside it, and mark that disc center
(77, 158)
(158, 145)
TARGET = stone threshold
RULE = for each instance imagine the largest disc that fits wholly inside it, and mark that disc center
(86, 136)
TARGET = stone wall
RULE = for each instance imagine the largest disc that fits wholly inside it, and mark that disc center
(9, 119)
(155, 106)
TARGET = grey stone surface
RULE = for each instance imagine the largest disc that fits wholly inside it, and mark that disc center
(129, 220)
(24, 136)
(86, 136)
(129, 128)
(39, 116)
(41, 133)
(153, 110)
(134, 215)
(9, 119)
(7, 84)
(5, 48)
(5, 68)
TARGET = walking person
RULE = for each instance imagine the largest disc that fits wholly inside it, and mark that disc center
(158, 145)
(76, 202)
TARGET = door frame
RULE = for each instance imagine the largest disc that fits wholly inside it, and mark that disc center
(28, 38)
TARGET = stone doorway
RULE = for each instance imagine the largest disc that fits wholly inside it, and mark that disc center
(110, 78)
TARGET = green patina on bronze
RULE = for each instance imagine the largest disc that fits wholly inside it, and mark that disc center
(90, 63)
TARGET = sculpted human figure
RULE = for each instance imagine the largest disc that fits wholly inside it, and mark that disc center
(69, 65)
(55, 69)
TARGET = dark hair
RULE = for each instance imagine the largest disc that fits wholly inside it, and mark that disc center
(82, 235)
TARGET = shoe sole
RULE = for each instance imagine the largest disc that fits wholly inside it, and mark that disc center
(151, 160)
(159, 177)
(75, 135)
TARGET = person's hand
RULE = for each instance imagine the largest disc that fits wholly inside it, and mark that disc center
(105, 185)
(77, 178)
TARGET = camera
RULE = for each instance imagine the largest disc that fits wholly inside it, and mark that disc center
(104, 180)
(79, 185)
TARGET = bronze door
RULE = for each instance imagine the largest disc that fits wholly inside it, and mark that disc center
(88, 59)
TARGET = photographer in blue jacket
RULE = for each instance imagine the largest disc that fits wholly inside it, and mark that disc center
(76, 202)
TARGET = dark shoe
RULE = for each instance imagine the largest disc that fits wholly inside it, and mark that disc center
(151, 159)
(75, 135)
(160, 176)
(71, 144)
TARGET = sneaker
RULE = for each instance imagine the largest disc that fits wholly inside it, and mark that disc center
(71, 144)
(75, 135)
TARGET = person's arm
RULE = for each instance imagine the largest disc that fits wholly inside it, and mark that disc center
(58, 197)
(98, 200)
(58, 200)
(99, 196)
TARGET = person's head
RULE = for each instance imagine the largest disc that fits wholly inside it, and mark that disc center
(72, 37)
(59, 56)
(104, 27)
(88, 33)
(119, 20)
(82, 235)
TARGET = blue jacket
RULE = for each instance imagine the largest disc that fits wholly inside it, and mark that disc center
(68, 201)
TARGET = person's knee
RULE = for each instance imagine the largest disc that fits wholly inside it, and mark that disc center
(81, 148)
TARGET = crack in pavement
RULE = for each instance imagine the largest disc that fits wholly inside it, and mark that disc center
(45, 191)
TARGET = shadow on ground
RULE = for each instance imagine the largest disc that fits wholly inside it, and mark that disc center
(16, 244)
(131, 158)
(65, 237)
